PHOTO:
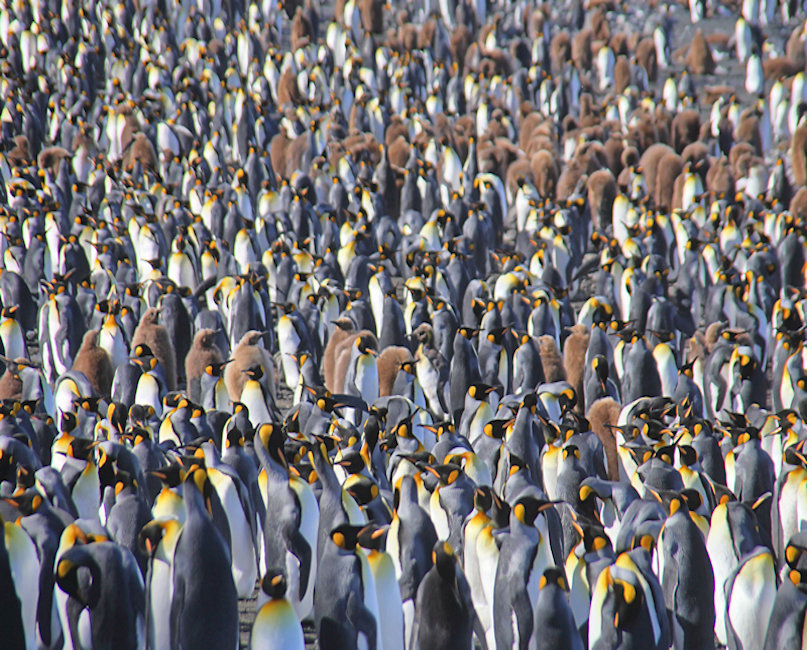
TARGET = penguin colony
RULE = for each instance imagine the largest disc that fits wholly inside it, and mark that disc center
(442, 325)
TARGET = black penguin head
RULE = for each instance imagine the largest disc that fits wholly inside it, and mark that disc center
(527, 509)
(599, 364)
(371, 537)
(361, 488)
(345, 536)
(255, 372)
(629, 599)
(79, 580)
(553, 576)
(480, 391)
(447, 474)
(150, 536)
(444, 560)
(273, 584)
(367, 344)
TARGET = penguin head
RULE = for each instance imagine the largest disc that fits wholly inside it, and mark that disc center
(367, 344)
(273, 584)
(553, 576)
(480, 391)
(216, 369)
(599, 364)
(255, 372)
(363, 489)
(447, 474)
(78, 576)
(26, 501)
(527, 509)
(150, 536)
(196, 479)
(796, 555)
(444, 560)
(371, 537)
(629, 597)
(345, 536)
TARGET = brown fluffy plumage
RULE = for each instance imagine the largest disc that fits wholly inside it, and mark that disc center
(602, 191)
(389, 361)
(551, 359)
(155, 336)
(11, 384)
(574, 362)
(798, 153)
(247, 353)
(603, 412)
(203, 352)
(343, 359)
(699, 59)
(668, 169)
(141, 150)
(94, 362)
(343, 330)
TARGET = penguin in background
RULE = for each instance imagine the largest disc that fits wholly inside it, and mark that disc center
(155, 336)
(597, 383)
(444, 613)
(276, 626)
(93, 361)
(463, 371)
(203, 353)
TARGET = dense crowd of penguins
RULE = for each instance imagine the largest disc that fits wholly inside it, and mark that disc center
(443, 325)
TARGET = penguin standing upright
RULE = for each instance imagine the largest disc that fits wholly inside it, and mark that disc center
(203, 352)
(553, 625)
(521, 566)
(687, 577)
(155, 336)
(341, 617)
(204, 605)
(444, 612)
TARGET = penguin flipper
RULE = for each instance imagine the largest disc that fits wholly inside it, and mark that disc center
(522, 608)
(299, 548)
(177, 605)
(362, 619)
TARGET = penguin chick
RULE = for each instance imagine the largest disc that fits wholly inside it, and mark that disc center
(551, 359)
(247, 354)
(574, 361)
(798, 153)
(389, 361)
(700, 60)
(94, 362)
(601, 414)
(204, 352)
(141, 150)
(343, 358)
(10, 382)
(343, 330)
(155, 336)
